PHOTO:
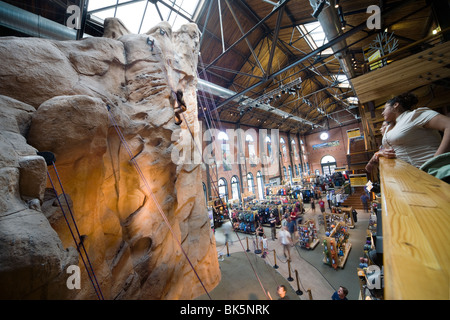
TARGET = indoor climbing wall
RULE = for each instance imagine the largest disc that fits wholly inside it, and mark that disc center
(111, 111)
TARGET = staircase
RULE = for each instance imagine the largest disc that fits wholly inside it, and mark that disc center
(354, 200)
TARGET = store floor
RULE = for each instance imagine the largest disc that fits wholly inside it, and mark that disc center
(247, 276)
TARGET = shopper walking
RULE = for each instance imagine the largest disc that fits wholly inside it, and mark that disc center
(285, 239)
(260, 234)
(313, 205)
(265, 246)
(284, 221)
(364, 200)
(273, 230)
(322, 205)
(227, 232)
(292, 228)
(329, 199)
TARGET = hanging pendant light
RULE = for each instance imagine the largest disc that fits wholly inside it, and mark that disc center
(324, 135)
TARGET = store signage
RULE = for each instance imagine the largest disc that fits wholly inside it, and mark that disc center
(369, 186)
(353, 133)
(358, 180)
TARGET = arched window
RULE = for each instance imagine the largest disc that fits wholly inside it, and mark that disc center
(222, 136)
(225, 149)
(327, 159)
(296, 170)
(260, 182)
(235, 194)
(328, 164)
(285, 174)
(250, 183)
(253, 160)
(269, 146)
(294, 149)
(290, 173)
(223, 189)
(283, 148)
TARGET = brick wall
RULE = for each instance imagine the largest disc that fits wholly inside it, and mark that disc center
(290, 158)
(339, 152)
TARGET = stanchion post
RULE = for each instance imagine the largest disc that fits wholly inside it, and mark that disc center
(275, 259)
(248, 250)
(299, 292)
(228, 251)
(309, 294)
(289, 269)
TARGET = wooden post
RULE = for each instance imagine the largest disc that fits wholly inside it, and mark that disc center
(275, 258)
(299, 292)
(289, 269)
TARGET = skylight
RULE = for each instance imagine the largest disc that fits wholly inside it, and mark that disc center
(314, 36)
(342, 81)
(140, 16)
(352, 100)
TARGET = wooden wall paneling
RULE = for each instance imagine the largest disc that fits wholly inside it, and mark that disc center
(404, 75)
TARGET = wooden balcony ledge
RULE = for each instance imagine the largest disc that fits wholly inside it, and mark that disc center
(416, 233)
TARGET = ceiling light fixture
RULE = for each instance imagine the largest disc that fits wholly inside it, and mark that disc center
(324, 136)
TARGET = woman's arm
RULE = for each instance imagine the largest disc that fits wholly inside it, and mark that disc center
(441, 123)
(387, 153)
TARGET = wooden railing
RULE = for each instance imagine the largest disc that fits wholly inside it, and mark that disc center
(416, 224)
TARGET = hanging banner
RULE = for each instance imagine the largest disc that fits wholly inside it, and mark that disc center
(326, 145)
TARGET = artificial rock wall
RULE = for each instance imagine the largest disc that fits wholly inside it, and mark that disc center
(54, 97)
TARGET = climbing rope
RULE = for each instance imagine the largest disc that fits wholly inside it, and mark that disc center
(78, 244)
(144, 180)
(240, 241)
